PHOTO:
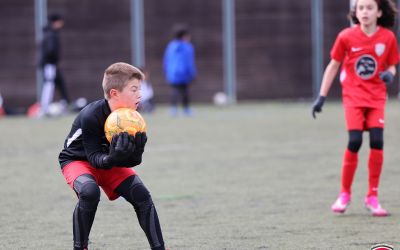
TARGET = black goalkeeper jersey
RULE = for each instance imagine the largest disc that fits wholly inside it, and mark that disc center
(87, 141)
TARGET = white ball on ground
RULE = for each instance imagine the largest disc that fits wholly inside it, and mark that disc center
(56, 109)
(220, 99)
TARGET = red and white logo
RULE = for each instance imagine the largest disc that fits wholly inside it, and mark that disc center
(382, 247)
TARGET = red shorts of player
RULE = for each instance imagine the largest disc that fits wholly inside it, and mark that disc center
(358, 118)
(108, 180)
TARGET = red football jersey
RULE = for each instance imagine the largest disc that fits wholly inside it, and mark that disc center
(364, 58)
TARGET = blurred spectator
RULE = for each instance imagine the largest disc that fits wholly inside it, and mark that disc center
(180, 69)
(2, 113)
(49, 62)
(147, 100)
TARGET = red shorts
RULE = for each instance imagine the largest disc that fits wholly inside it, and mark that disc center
(108, 179)
(364, 118)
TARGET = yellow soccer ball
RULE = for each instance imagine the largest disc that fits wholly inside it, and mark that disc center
(124, 120)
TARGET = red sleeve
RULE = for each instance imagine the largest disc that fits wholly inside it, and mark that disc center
(393, 57)
(338, 50)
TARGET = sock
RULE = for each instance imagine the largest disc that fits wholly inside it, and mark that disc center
(375, 163)
(350, 161)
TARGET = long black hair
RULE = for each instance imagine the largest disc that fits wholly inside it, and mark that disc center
(389, 13)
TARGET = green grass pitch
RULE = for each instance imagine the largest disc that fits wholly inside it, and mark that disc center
(251, 176)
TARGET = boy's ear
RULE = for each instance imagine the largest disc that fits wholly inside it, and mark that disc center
(113, 93)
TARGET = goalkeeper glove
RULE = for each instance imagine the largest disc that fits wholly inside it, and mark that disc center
(387, 77)
(317, 105)
(121, 150)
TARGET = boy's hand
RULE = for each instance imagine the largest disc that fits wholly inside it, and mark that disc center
(387, 77)
(121, 149)
(317, 105)
(140, 141)
(135, 158)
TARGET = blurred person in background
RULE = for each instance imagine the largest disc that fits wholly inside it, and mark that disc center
(147, 101)
(2, 113)
(180, 69)
(50, 51)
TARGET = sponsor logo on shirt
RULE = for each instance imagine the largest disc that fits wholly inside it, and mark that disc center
(365, 67)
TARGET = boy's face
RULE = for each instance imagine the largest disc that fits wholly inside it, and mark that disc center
(367, 12)
(130, 95)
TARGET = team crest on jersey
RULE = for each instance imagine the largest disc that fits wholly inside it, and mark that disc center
(382, 247)
(379, 48)
(365, 67)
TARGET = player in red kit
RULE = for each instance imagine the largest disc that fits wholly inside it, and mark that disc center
(369, 53)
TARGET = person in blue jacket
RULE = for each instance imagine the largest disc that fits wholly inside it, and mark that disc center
(180, 69)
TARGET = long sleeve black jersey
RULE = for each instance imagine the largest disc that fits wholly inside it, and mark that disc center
(50, 47)
(87, 141)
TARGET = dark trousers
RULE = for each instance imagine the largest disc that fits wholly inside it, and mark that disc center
(180, 93)
(60, 85)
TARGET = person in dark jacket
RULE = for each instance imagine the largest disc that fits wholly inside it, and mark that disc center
(180, 69)
(49, 63)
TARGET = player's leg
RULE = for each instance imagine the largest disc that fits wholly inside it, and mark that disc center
(134, 191)
(174, 100)
(375, 163)
(350, 159)
(375, 120)
(2, 113)
(60, 85)
(375, 160)
(349, 166)
(47, 94)
(85, 210)
(186, 99)
(355, 123)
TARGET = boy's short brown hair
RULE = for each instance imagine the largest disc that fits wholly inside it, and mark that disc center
(117, 75)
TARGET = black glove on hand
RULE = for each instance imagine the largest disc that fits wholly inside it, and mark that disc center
(140, 142)
(387, 77)
(121, 149)
(317, 106)
(135, 158)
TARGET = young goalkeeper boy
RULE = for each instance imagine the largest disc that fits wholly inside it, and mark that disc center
(88, 161)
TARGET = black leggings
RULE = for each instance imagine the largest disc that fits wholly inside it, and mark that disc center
(133, 190)
(375, 139)
(88, 193)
